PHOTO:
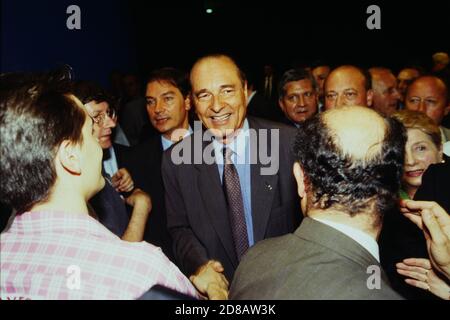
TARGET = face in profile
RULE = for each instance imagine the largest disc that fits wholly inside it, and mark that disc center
(299, 102)
(220, 96)
(320, 74)
(428, 95)
(166, 107)
(104, 121)
(91, 158)
(420, 152)
(385, 94)
(345, 86)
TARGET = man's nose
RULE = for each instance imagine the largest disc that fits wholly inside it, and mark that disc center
(109, 122)
(216, 104)
(301, 101)
(422, 106)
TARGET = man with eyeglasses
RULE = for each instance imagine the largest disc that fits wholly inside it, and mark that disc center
(429, 94)
(110, 204)
(348, 86)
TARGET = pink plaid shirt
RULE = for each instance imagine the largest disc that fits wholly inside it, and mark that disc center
(55, 255)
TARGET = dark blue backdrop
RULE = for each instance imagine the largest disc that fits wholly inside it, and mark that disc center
(34, 37)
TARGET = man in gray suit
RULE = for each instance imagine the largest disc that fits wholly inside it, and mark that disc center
(348, 176)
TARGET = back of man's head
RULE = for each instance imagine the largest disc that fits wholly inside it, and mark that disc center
(352, 159)
(37, 114)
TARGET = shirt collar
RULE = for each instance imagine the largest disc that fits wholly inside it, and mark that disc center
(167, 143)
(238, 146)
(359, 236)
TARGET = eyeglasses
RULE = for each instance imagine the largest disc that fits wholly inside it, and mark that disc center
(101, 117)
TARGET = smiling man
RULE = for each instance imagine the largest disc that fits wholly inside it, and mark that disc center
(168, 104)
(298, 96)
(216, 211)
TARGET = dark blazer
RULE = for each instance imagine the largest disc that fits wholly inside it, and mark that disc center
(111, 209)
(315, 262)
(144, 164)
(196, 207)
(262, 108)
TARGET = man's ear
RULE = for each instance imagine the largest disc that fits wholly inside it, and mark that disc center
(300, 178)
(246, 94)
(187, 102)
(369, 99)
(280, 104)
(447, 109)
(69, 157)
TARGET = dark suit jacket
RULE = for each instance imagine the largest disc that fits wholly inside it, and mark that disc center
(144, 164)
(196, 207)
(111, 209)
(262, 108)
(316, 262)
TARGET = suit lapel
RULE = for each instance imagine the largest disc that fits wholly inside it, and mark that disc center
(263, 189)
(214, 201)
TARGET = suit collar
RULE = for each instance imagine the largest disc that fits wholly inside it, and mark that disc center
(334, 240)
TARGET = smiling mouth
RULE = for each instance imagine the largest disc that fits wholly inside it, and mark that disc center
(415, 173)
(221, 118)
(161, 119)
(301, 110)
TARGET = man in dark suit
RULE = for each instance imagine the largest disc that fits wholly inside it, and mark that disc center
(222, 194)
(348, 176)
(168, 104)
(298, 97)
(110, 203)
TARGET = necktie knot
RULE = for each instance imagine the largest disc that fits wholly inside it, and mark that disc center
(227, 153)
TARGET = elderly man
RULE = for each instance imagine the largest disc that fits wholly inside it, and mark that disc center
(429, 94)
(348, 177)
(221, 200)
(348, 85)
(386, 97)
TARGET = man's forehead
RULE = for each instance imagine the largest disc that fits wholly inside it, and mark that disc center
(95, 106)
(299, 84)
(160, 87)
(214, 69)
(428, 87)
(348, 77)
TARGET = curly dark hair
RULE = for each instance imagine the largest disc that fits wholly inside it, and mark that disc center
(336, 180)
(37, 113)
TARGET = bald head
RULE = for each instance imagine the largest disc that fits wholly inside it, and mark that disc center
(347, 85)
(428, 94)
(353, 160)
(361, 140)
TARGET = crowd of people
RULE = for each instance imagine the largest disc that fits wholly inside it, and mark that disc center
(320, 183)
